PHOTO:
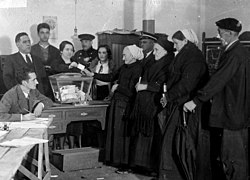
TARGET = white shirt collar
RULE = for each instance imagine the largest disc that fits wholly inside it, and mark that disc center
(230, 44)
(24, 56)
(44, 46)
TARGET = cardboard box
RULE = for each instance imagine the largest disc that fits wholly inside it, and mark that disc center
(75, 159)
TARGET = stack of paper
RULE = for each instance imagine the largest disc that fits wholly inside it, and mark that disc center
(25, 141)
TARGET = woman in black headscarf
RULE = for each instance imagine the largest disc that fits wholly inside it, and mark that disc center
(145, 133)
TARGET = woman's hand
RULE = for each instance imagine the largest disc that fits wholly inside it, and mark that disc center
(189, 106)
(114, 87)
(141, 87)
(163, 101)
(73, 64)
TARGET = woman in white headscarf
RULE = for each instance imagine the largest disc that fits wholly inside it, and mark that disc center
(126, 77)
(188, 73)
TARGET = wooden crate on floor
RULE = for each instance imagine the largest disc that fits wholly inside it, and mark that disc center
(76, 159)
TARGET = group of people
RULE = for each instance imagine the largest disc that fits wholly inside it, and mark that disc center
(144, 118)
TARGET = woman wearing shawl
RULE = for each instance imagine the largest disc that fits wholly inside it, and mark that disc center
(117, 142)
(187, 74)
(145, 131)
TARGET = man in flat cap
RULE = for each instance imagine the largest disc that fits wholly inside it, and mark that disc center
(147, 41)
(228, 90)
(88, 53)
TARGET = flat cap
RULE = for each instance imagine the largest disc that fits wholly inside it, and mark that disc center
(229, 24)
(165, 43)
(146, 35)
(86, 37)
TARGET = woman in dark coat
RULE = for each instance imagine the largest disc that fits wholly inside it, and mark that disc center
(146, 134)
(187, 74)
(63, 65)
(118, 141)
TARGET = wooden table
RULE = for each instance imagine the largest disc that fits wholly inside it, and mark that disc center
(12, 157)
(63, 114)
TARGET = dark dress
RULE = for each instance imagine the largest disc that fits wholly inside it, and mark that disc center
(118, 141)
(59, 66)
(187, 74)
(146, 136)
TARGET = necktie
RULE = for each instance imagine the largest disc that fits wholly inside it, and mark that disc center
(100, 70)
(28, 59)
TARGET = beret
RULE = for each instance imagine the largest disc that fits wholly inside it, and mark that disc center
(229, 24)
(86, 37)
(146, 35)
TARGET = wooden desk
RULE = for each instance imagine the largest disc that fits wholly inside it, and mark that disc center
(12, 157)
(64, 114)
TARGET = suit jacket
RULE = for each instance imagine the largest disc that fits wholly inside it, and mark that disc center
(14, 103)
(15, 62)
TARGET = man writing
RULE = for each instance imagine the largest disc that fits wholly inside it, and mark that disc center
(23, 102)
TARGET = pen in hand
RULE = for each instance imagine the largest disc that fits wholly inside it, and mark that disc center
(27, 110)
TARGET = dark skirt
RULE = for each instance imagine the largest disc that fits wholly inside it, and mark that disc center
(117, 143)
(102, 92)
(145, 150)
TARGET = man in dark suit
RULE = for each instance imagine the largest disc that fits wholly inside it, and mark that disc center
(147, 41)
(23, 59)
(23, 102)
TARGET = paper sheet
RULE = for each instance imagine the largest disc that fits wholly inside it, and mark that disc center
(25, 141)
(37, 123)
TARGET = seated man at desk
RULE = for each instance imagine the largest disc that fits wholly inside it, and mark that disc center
(23, 102)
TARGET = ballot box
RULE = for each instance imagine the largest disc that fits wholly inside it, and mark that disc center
(71, 87)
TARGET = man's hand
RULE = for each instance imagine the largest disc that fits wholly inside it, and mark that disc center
(88, 73)
(163, 101)
(114, 87)
(189, 106)
(86, 59)
(38, 110)
(28, 117)
(73, 64)
(140, 87)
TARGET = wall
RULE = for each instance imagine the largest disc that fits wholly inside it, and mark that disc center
(98, 15)
(216, 10)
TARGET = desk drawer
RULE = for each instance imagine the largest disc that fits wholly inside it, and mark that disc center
(57, 114)
(84, 113)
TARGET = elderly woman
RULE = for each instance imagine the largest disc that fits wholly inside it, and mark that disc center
(145, 132)
(103, 64)
(117, 142)
(187, 73)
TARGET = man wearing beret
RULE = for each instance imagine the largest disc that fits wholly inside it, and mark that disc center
(147, 41)
(228, 91)
(88, 53)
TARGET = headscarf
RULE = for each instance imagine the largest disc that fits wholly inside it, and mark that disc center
(136, 52)
(190, 35)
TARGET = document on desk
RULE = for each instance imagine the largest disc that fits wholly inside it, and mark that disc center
(37, 123)
(25, 141)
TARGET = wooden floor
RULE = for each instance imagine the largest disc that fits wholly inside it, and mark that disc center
(100, 173)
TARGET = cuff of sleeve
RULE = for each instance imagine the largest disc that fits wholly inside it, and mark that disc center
(196, 101)
(21, 117)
